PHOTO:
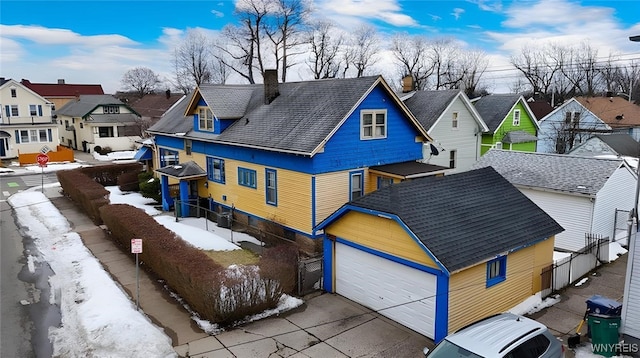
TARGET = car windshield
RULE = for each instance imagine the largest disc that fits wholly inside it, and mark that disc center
(447, 349)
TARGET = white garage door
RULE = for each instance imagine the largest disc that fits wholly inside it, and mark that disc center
(378, 283)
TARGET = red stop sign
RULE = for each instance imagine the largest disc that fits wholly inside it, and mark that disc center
(42, 159)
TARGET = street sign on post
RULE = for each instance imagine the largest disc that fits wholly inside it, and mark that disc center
(136, 248)
(42, 159)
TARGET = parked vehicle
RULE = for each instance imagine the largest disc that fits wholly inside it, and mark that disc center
(504, 335)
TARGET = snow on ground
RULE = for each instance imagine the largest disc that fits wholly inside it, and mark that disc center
(534, 304)
(84, 290)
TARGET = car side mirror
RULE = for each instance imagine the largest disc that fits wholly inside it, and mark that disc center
(425, 351)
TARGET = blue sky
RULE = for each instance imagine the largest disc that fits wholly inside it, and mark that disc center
(97, 41)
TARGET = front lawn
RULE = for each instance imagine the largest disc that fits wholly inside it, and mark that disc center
(233, 257)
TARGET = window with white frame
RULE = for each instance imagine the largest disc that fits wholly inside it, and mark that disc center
(188, 146)
(168, 157)
(14, 93)
(571, 117)
(11, 110)
(111, 109)
(356, 185)
(496, 271)
(516, 117)
(454, 120)
(33, 136)
(205, 119)
(105, 132)
(373, 124)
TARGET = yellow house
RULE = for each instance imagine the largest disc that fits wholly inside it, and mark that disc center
(437, 253)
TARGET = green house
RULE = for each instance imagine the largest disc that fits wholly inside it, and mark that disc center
(512, 125)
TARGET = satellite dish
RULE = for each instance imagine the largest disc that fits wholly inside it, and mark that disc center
(434, 150)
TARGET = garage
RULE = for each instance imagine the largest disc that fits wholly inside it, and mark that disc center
(397, 291)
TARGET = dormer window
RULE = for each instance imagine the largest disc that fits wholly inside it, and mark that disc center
(205, 119)
(111, 109)
(14, 93)
(516, 117)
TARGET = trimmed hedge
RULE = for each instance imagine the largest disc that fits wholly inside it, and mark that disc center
(84, 191)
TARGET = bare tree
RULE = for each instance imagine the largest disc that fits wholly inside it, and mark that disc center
(141, 80)
(284, 27)
(536, 68)
(363, 50)
(192, 60)
(568, 130)
(325, 45)
(411, 53)
(474, 63)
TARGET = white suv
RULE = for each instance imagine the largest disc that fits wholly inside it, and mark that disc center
(504, 335)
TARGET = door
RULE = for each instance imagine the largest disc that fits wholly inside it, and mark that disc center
(399, 292)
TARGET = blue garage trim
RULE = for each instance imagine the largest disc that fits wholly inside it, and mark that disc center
(347, 207)
(442, 308)
(327, 264)
(390, 257)
(313, 205)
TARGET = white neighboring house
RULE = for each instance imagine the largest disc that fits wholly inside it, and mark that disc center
(630, 327)
(583, 194)
(450, 118)
(98, 120)
(26, 122)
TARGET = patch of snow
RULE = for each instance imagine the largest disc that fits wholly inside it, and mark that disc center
(615, 250)
(581, 282)
(557, 255)
(534, 304)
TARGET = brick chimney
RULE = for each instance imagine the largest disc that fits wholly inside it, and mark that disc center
(271, 90)
(168, 93)
(61, 81)
(408, 84)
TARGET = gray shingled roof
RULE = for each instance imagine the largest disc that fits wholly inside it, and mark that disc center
(298, 120)
(228, 102)
(560, 172)
(494, 108)
(518, 137)
(184, 170)
(174, 120)
(623, 144)
(113, 117)
(85, 104)
(464, 218)
(428, 106)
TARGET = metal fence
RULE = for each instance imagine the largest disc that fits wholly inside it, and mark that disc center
(568, 270)
(620, 224)
(310, 275)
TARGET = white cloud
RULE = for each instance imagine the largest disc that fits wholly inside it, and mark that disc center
(51, 36)
(388, 11)
(217, 13)
(457, 12)
(488, 5)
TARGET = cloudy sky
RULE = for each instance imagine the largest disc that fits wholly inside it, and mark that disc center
(98, 41)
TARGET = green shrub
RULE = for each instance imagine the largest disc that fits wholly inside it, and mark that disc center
(149, 186)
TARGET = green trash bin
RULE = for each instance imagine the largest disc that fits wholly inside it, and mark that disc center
(604, 333)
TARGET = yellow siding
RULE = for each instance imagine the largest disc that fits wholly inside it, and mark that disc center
(294, 193)
(470, 300)
(543, 258)
(381, 234)
(332, 191)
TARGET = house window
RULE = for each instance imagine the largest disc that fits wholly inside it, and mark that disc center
(33, 110)
(247, 177)
(454, 120)
(373, 124)
(452, 158)
(112, 109)
(384, 182)
(188, 144)
(205, 119)
(13, 111)
(215, 170)
(572, 117)
(516, 117)
(105, 132)
(14, 94)
(496, 271)
(168, 157)
(356, 185)
(34, 136)
(271, 187)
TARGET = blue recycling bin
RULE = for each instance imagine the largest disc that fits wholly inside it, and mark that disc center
(604, 306)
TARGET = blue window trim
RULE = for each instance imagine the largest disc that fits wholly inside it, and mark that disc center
(164, 157)
(351, 174)
(268, 171)
(211, 169)
(247, 177)
(502, 271)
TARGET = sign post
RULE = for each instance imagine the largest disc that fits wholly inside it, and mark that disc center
(42, 159)
(136, 248)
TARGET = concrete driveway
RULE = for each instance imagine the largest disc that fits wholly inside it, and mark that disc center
(327, 325)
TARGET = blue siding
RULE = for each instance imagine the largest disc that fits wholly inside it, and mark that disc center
(442, 308)
(327, 264)
(344, 150)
